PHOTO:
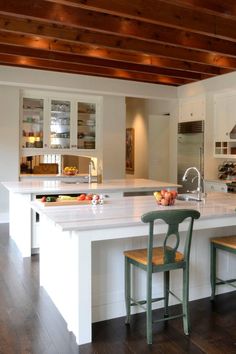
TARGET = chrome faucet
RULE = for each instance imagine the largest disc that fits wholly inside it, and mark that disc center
(199, 188)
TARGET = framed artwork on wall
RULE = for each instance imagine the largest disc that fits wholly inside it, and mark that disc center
(130, 150)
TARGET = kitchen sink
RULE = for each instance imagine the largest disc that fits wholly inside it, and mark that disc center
(188, 197)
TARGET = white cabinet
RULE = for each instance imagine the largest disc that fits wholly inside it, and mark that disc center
(224, 122)
(225, 116)
(215, 186)
(59, 124)
(192, 109)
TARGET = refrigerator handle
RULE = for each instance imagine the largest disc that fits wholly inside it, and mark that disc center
(201, 156)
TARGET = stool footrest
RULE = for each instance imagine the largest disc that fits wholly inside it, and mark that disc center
(228, 282)
(143, 302)
(169, 318)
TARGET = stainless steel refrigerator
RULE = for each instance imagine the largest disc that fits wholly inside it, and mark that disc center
(190, 153)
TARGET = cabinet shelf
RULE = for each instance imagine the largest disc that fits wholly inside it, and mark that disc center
(53, 137)
(40, 122)
(33, 109)
(59, 124)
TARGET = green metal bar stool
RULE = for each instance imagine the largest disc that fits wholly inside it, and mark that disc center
(161, 259)
(228, 244)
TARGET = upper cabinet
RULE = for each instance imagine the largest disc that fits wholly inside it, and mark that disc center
(192, 109)
(51, 125)
(224, 123)
(32, 123)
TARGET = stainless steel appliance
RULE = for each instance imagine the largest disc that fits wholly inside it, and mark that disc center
(190, 153)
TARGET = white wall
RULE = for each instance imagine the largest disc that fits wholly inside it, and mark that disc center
(158, 137)
(45, 80)
(168, 112)
(113, 137)
(136, 117)
(155, 125)
(9, 142)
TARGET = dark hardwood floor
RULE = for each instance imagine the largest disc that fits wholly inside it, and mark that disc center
(30, 323)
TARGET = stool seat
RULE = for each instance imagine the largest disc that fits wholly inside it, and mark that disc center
(158, 255)
(227, 241)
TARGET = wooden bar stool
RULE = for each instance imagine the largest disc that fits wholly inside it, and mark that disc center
(228, 244)
(161, 259)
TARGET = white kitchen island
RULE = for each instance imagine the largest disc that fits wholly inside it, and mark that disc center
(23, 221)
(81, 254)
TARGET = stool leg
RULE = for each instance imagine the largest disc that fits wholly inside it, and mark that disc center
(185, 303)
(166, 292)
(213, 271)
(127, 289)
(149, 308)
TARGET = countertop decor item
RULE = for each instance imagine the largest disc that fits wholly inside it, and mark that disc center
(70, 171)
(165, 197)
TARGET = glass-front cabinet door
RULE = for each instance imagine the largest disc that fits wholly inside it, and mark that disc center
(86, 125)
(60, 124)
(32, 123)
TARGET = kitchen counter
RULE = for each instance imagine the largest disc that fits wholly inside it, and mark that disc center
(87, 244)
(61, 187)
(23, 192)
(127, 211)
(80, 177)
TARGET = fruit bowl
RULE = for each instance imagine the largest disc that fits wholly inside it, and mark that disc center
(165, 198)
(70, 171)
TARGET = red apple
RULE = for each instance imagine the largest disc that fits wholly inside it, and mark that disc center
(168, 196)
(164, 202)
(81, 197)
(163, 191)
(174, 194)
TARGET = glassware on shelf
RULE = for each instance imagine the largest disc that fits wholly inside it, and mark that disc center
(32, 123)
(60, 124)
(86, 123)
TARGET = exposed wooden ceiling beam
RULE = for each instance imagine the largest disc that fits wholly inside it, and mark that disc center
(217, 7)
(161, 12)
(46, 64)
(71, 34)
(71, 58)
(139, 30)
(118, 43)
(136, 40)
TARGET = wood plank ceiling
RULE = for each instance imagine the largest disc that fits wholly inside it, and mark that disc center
(171, 42)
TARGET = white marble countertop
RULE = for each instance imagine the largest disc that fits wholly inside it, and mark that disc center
(55, 186)
(49, 176)
(126, 212)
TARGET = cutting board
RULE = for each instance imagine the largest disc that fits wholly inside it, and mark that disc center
(65, 202)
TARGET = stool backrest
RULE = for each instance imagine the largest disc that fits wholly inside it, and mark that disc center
(173, 218)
